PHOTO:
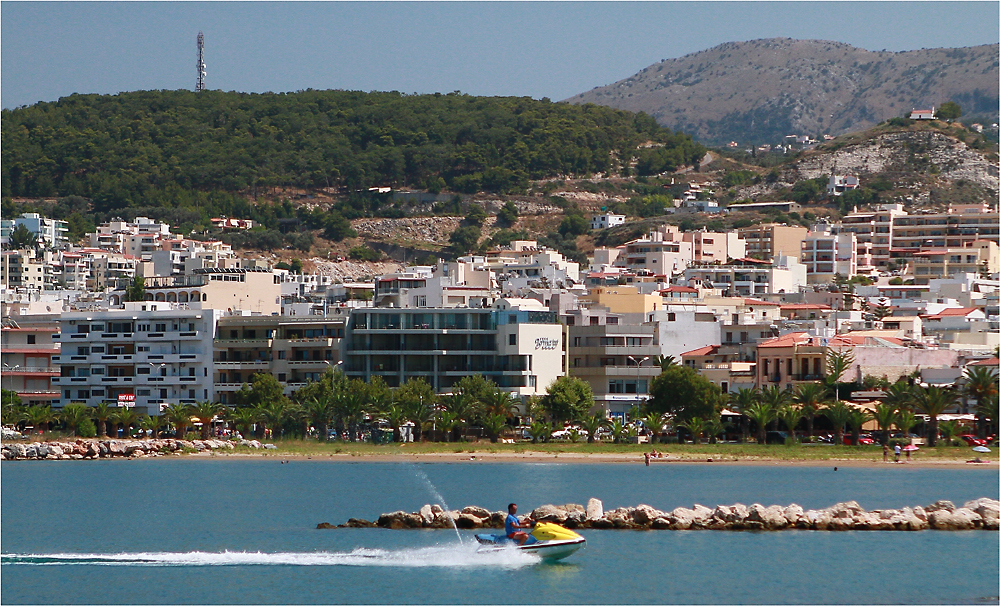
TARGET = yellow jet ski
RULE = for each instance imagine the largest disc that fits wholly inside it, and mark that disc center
(549, 541)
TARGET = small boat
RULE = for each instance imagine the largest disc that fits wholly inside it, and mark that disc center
(549, 541)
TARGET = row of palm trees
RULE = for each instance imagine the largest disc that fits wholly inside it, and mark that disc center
(898, 408)
(76, 417)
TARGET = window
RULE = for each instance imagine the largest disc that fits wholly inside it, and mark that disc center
(31, 339)
(744, 337)
(594, 321)
(97, 349)
(162, 328)
(139, 370)
(142, 392)
(191, 394)
(82, 351)
(163, 394)
(281, 354)
(142, 327)
(512, 340)
(729, 337)
(97, 393)
(725, 387)
(532, 381)
(612, 320)
(281, 377)
(97, 371)
(191, 373)
(671, 317)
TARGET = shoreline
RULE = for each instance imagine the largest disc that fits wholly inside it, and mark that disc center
(604, 459)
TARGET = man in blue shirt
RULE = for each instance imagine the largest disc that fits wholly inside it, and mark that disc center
(512, 526)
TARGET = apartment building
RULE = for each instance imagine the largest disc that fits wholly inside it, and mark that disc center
(658, 253)
(957, 227)
(711, 247)
(51, 233)
(618, 361)
(875, 230)
(606, 220)
(148, 354)
(26, 270)
(727, 373)
(982, 256)
(771, 240)
(135, 238)
(750, 277)
(294, 350)
(251, 290)
(517, 343)
(27, 350)
(827, 255)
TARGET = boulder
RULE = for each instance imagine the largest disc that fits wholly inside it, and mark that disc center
(436, 509)
(31, 451)
(660, 524)
(42, 450)
(497, 519)
(644, 514)
(595, 509)
(682, 518)
(602, 523)
(988, 510)
(359, 523)
(138, 452)
(575, 519)
(846, 510)
(793, 513)
(427, 515)
(959, 519)
(574, 507)
(57, 451)
(76, 457)
(477, 512)
(324, 526)
(20, 451)
(92, 450)
(392, 520)
(940, 505)
(549, 513)
(702, 514)
(270, 447)
(467, 520)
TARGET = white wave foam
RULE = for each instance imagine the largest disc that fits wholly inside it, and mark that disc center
(426, 557)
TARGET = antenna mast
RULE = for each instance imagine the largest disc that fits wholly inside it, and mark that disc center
(200, 85)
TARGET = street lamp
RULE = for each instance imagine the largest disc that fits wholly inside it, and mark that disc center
(638, 363)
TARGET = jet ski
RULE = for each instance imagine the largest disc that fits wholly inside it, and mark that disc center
(549, 541)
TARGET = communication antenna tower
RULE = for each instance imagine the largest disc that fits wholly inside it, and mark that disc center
(200, 85)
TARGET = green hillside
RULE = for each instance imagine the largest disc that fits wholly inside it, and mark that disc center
(184, 149)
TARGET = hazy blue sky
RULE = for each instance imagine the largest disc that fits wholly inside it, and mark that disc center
(550, 49)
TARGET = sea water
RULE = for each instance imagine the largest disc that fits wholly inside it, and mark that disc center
(197, 531)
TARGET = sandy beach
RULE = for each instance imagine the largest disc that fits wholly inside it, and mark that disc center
(590, 458)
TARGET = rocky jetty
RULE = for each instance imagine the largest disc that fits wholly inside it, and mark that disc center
(982, 514)
(104, 449)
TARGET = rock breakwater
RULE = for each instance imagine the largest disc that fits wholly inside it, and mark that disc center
(982, 514)
(103, 449)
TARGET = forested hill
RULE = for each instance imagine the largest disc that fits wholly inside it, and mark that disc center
(157, 147)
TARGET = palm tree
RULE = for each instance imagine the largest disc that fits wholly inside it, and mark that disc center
(665, 362)
(776, 398)
(446, 421)
(761, 413)
(618, 430)
(351, 405)
(206, 411)
(899, 395)
(40, 416)
(319, 412)
(696, 425)
(466, 409)
(540, 430)
(493, 424)
(949, 429)
(13, 414)
(73, 414)
(713, 427)
(592, 424)
(271, 415)
(857, 418)
(655, 422)
(790, 414)
(933, 401)
(101, 413)
(905, 420)
(178, 416)
(741, 400)
(989, 410)
(837, 363)
(810, 397)
(126, 418)
(838, 413)
(500, 402)
(153, 424)
(885, 416)
(396, 417)
(980, 384)
(242, 418)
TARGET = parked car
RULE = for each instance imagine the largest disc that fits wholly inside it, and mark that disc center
(862, 440)
(972, 440)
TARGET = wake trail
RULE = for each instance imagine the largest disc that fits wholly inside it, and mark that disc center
(425, 557)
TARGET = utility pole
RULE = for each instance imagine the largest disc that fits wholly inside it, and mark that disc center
(200, 84)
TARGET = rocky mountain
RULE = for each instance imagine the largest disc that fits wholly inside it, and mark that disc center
(761, 90)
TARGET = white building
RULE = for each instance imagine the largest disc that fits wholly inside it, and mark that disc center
(50, 233)
(838, 184)
(150, 354)
(606, 220)
(750, 277)
(827, 255)
(922, 114)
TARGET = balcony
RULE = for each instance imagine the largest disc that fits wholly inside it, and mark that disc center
(242, 343)
(32, 370)
(242, 364)
(299, 363)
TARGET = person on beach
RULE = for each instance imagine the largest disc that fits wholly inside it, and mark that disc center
(897, 451)
(908, 456)
(647, 459)
(885, 453)
(513, 526)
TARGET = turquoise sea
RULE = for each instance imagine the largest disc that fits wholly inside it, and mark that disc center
(207, 531)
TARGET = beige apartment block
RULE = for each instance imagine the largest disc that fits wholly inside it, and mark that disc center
(772, 240)
(981, 256)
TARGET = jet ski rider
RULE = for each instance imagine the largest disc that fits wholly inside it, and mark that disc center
(512, 526)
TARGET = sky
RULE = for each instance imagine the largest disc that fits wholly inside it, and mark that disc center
(538, 49)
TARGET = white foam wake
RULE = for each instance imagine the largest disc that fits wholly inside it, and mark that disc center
(426, 557)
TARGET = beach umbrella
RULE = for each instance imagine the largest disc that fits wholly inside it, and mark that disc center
(911, 447)
(980, 449)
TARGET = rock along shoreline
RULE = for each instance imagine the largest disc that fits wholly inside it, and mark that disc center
(104, 449)
(981, 514)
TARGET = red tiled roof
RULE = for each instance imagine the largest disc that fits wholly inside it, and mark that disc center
(679, 289)
(987, 362)
(702, 351)
(759, 302)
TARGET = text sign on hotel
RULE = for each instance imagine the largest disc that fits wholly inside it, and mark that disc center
(543, 343)
(126, 400)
